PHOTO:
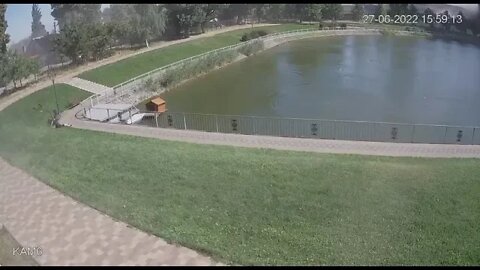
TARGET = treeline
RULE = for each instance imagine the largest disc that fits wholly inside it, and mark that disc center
(472, 24)
(14, 68)
(86, 33)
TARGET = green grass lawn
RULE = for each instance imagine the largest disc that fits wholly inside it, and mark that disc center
(254, 206)
(121, 71)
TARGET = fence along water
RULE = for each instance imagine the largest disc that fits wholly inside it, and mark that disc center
(316, 128)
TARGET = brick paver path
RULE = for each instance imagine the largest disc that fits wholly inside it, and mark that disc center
(70, 233)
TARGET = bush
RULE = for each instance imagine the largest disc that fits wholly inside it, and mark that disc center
(251, 48)
(196, 67)
(253, 35)
(149, 85)
(343, 26)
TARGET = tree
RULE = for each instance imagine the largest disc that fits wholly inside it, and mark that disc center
(308, 12)
(462, 27)
(210, 12)
(397, 9)
(38, 29)
(275, 12)
(428, 12)
(4, 37)
(151, 20)
(99, 39)
(380, 11)
(72, 42)
(237, 11)
(76, 13)
(260, 11)
(332, 11)
(184, 16)
(357, 12)
(412, 10)
(448, 24)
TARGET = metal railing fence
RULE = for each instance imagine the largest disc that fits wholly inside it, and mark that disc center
(316, 128)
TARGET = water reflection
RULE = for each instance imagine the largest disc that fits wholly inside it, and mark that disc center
(376, 78)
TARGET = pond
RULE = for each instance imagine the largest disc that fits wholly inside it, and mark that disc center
(402, 79)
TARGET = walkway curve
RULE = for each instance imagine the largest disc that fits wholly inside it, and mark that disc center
(70, 233)
(280, 143)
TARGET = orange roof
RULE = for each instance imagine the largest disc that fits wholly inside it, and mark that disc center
(157, 101)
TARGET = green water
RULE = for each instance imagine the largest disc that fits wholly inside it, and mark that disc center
(371, 78)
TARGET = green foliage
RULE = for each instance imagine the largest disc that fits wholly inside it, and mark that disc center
(253, 34)
(251, 47)
(4, 37)
(412, 10)
(308, 12)
(357, 12)
(149, 85)
(196, 67)
(398, 9)
(15, 68)
(380, 11)
(38, 29)
(331, 11)
(72, 42)
(66, 14)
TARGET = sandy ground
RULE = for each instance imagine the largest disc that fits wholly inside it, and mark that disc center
(65, 75)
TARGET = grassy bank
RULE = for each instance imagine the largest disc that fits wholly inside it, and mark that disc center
(126, 69)
(252, 206)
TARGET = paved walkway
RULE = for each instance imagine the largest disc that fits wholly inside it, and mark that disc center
(88, 86)
(280, 143)
(70, 233)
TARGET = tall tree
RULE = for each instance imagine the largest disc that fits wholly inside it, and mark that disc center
(308, 12)
(357, 12)
(448, 24)
(4, 37)
(38, 29)
(332, 11)
(275, 12)
(397, 9)
(428, 12)
(210, 12)
(380, 11)
(76, 13)
(412, 10)
(462, 27)
(72, 42)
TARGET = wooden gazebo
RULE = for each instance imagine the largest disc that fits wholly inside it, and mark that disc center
(156, 105)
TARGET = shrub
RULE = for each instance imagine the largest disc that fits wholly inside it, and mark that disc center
(253, 34)
(196, 67)
(343, 26)
(149, 85)
(251, 48)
